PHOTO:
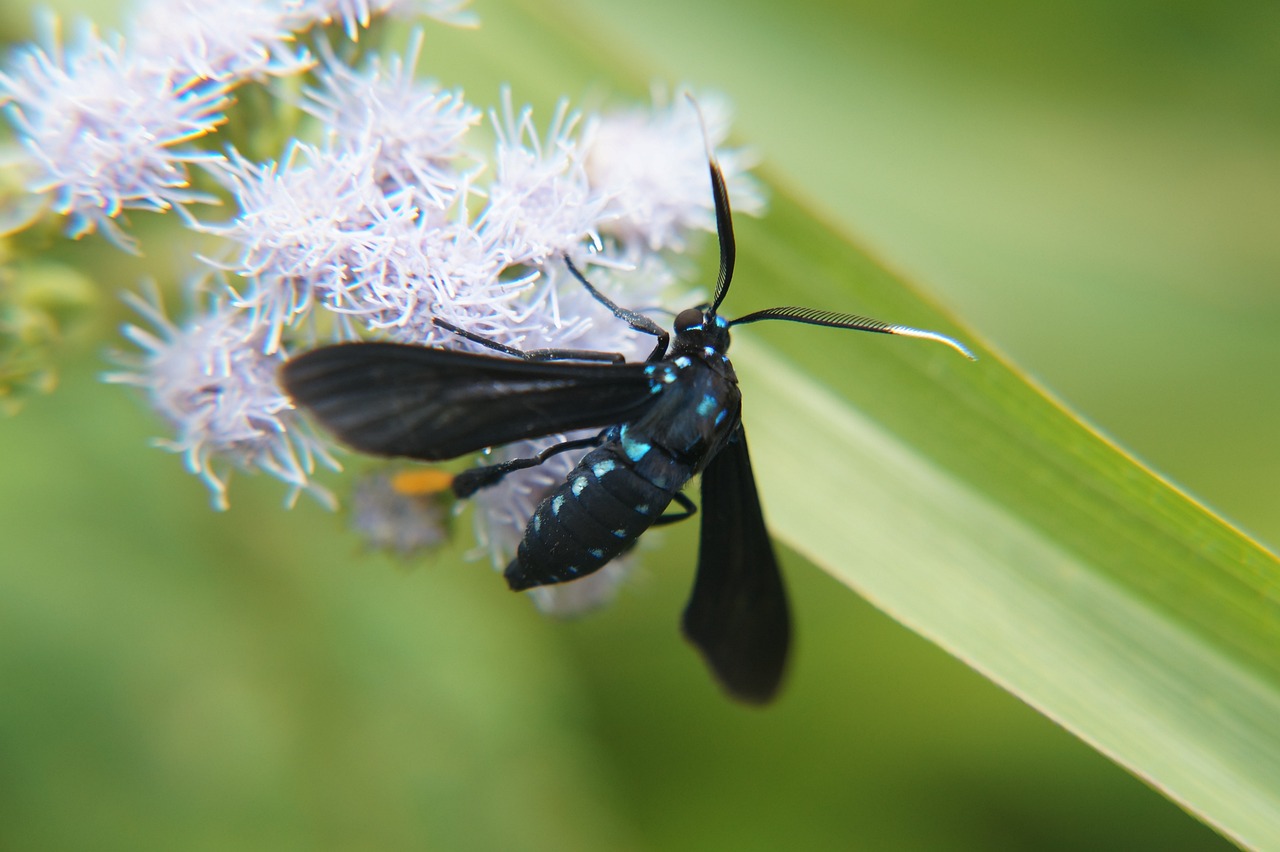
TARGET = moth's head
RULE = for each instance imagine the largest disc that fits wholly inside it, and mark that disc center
(700, 329)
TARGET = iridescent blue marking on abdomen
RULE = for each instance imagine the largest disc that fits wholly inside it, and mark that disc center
(604, 505)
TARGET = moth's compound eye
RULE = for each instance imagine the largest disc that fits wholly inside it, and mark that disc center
(688, 320)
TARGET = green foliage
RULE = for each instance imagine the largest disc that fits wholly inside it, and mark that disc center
(971, 508)
(41, 305)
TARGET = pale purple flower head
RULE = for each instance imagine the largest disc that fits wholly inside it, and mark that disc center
(104, 131)
(653, 165)
(373, 224)
(541, 204)
(108, 124)
(212, 382)
(442, 270)
(416, 128)
(228, 40)
(310, 229)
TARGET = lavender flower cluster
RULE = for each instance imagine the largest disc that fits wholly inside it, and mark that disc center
(385, 218)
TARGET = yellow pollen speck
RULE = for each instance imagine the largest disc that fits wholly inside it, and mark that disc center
(419, 482)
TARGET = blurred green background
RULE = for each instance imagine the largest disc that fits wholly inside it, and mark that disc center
(1092, 187)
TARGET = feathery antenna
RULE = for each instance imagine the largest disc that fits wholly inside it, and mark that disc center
(853, 322)
(724, 218)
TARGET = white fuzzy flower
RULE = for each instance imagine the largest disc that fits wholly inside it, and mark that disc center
(356, 14)
(540, 202)
(652, 165)
(414, 126)
(210, 380)
(230, 39)
(104, 132)
(312, 228)
(441, 271)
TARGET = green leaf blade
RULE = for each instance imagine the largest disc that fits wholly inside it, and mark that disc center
(973, 508)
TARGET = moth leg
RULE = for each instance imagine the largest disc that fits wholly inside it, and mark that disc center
(470, 481)
(685, 503)
(638, 321)
(533, 354)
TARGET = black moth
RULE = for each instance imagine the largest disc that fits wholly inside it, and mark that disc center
(663, 421)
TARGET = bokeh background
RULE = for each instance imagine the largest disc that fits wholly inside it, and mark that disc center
(1094, 188)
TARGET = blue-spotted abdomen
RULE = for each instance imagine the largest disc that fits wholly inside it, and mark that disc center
(613, 495)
